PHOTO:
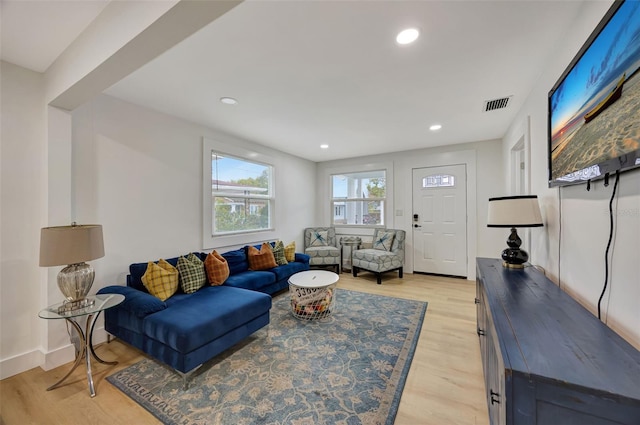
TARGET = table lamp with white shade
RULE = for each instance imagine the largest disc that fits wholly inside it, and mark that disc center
(513, 212)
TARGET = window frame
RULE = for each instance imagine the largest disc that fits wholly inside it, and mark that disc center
(211, 240)
(374, 168)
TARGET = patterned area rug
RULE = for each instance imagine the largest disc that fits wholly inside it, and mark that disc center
(348, 368)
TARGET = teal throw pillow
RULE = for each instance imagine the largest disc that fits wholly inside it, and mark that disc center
(383, 241)
(192, 273)
(320, 238)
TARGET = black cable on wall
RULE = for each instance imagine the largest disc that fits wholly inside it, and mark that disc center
(606, 253)
(559, 234)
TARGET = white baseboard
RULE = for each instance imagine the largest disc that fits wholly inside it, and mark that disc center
(47, 361)
(20, 363)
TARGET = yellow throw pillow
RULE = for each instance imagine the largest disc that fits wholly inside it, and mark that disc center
(161, 280)
(290, 252)
(217, 268)
(261, 260)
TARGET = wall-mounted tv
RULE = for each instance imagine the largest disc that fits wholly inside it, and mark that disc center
(594, 108)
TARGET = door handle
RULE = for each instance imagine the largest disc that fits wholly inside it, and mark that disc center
(417, 225)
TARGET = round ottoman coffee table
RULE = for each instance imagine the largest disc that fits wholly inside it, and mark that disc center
(312, 293)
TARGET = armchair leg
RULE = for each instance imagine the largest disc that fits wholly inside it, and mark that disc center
(354, 271)
(379, 277)
(400, 273)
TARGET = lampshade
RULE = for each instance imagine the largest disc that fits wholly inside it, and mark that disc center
(514, 211)
(63, 245)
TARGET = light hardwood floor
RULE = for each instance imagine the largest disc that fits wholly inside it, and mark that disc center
(444, 387)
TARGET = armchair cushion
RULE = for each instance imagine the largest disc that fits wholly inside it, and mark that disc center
(376, 260)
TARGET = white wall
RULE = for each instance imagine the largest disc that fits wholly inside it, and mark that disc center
(23, 171)
(135, 171)
(36, 140)
(139, 174)
(485, 179)
(582, 225)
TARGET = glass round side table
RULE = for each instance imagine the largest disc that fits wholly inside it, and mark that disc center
(101, 302)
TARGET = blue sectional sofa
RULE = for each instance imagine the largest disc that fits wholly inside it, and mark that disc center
(186, 330)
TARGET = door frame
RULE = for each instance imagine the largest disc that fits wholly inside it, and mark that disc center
(466, 157)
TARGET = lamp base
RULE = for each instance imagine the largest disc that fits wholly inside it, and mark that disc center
(514, 258)
(75, 281)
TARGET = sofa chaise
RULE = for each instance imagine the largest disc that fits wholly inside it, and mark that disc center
(186, 330)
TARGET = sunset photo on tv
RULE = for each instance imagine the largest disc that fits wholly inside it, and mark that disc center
(595, 109)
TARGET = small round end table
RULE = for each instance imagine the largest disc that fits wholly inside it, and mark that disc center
(312, 294)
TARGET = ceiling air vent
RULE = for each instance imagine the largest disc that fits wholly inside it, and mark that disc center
(492, 105)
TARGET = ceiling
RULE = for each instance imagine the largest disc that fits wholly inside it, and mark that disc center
(35, 33)
(307, 73)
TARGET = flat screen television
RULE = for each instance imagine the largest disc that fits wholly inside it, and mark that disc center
(594, 107)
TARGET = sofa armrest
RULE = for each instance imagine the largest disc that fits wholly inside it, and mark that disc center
(302, 258)
(136, 302)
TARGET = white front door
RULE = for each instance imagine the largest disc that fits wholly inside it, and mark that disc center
(440, 220)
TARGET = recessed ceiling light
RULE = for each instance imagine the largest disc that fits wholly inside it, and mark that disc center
(228, 101)
(324, 146)
(435, 127)
(407, 36)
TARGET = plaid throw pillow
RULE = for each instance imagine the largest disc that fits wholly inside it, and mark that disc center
(319, 238)
(290, 252)
(217, 268)
(161, 280)
(383, 241)
(279, 255)
(261, 260)
(191, 273)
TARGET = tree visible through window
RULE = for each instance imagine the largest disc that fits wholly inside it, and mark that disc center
(359, 198)
(242, 194)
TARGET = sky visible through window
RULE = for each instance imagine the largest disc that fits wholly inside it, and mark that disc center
(229, 169)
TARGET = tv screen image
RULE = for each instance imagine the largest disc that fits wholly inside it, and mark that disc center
(594, 108)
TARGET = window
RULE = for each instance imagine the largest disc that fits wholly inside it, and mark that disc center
(439, 180)
(359, 198)
(241, 193)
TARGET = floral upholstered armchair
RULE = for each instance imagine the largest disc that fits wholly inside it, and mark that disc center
(387, 254)
(320, 245)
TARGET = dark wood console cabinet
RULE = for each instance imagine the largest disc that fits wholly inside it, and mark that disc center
(546, 359)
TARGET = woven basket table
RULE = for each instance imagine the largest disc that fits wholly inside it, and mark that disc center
(312, 294)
